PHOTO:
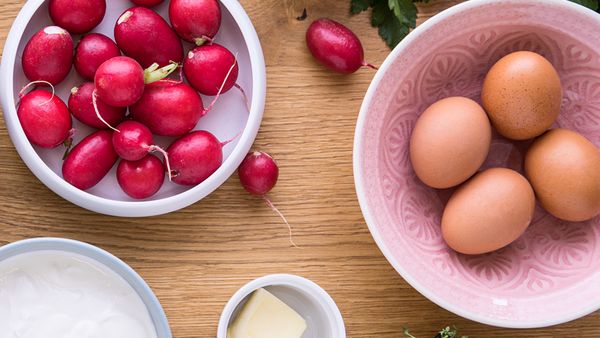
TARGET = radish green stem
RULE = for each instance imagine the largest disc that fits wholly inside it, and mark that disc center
(274, 208)
(95, 103)
(153, 73)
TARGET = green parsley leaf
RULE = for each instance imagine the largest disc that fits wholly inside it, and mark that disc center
(357, 6)
(591, 4)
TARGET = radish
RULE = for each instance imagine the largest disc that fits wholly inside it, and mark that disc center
(145, 36)
(92, 51)
(90, 160)
(147, 3)
(169, 108)
(195, 21)
(77, 16)
(335, 46)
(120, 80)
(173, 108)
(134, 141)
(258, 174)
(206, 68)
(45, 118)
(48, 56)
(82, 106)
(142, 178)
(195, 157)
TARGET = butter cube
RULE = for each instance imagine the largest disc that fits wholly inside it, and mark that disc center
(266, 316)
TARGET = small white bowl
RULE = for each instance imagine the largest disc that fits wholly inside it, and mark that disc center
(323, 318)
(157, 314)
(229, 118)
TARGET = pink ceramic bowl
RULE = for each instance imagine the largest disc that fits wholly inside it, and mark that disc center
(552, 273)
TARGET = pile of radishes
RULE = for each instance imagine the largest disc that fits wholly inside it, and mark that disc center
(126, 92)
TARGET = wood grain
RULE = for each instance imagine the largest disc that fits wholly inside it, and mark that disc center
(195, 259)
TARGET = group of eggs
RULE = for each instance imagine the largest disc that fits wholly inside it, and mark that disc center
(521, 98)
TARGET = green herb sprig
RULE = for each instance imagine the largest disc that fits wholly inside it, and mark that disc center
(395, 18)
(446, 332)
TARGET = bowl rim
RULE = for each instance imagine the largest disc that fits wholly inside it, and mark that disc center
(122, 269)
(132, 208)
(359, 180)
(317, 293)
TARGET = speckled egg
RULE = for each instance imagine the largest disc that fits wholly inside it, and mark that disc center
(564, 170)
(450, 142)
(522, 95)
(488, 212)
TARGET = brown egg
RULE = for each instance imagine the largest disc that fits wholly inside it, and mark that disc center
(564, 170)
(522, 95)
(488, 212)
(450, 141)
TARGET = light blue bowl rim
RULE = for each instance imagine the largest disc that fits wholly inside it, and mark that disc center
(159, 318)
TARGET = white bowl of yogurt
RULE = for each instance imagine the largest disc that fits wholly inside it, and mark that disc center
(61, 288)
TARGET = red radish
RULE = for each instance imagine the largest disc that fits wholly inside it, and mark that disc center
(90, 160)
(92, 51)
(45, 118)
(134, 141)
(48, 56)
(195, 21)
(168, 108)
(77, 16)
(335, 46)
(119, 81)
(142, 178)
(206, 68)
(145, 36)
(195, 157)
(82, 106)
(258, 174)
(172, 108)
(147, 3)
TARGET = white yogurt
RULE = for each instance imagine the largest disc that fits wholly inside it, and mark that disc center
(56, 294)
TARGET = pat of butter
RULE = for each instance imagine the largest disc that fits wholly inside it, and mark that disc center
(266, 316)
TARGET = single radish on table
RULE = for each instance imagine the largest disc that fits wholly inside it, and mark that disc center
(90, 160)
(147, 3)
(48, 56)
(195, 157)
(134, 141)
(77, 16)
(258, 174)
(173, 108)
(45, 118)
(81, 104)
(142, 178)
(196, 21)
(145, 36)
(335, 46)
(92, 51)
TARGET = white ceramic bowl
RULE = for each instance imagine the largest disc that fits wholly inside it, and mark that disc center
(323, 318)
(157, 314)
(229, 118)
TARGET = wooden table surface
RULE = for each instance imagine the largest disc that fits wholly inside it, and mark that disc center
(195, 259)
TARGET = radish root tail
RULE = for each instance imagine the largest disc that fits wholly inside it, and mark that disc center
(33, 83)
(95, 103)
(244, 95)
(212, 104)
(166, 156)
(231, 139)
(274, 208)
(369, 65)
